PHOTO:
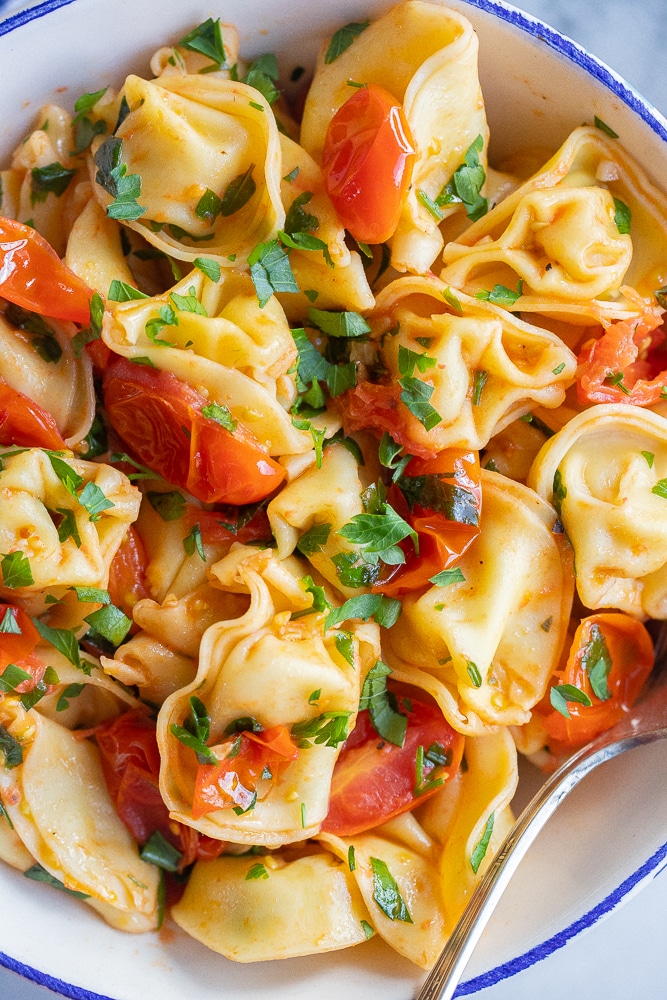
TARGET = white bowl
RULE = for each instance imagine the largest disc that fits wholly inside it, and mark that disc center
(611, 834)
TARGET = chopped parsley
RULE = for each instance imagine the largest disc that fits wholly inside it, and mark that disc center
(561, 694)
(387, 894)
(480, 850)
(206, 39)
(195, 732)
(343, 38)
(388, 722)
(271, 271)
(112, 175)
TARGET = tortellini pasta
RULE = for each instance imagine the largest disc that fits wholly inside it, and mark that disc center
(480, 366)
(604, 470)
(40, 491)
(458, 640)
(432, 72)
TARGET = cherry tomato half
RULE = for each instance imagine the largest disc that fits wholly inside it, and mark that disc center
(131, 764)
(18, 637)
(243, 760)
(376, 407)
(367, 163)
(630, 649)
(33, 276)
(609, 371)
(452, 479)
(25, 423)
(374, 780)
(160, 419)
(127, 573)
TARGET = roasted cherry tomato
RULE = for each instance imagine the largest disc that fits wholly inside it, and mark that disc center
(367, 163)
(131, 764)
(375, 407)
(243, 760)
(444, 508)
(18, 637)
(160, 419)
(374, 780)
(127, 573)
(609, 371)
(217, 528)
(604, 641)
(25, 423)
(33, 276)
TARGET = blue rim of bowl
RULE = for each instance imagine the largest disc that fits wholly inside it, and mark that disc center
(597, 69)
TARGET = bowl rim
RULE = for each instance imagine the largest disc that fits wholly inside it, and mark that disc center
(644, 109)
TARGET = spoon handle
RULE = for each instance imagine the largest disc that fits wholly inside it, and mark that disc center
(444, 977)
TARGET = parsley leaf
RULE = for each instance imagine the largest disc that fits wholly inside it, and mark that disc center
(39, 874)
(561, 694)
(339, 324)
(112, 175)
(195, 732)
(158, 851)
(385, 610)
(328, 729)
(221, 415)
(501, 295)
(51, 179)
(387, 894)
(16, 571)
(10, 748)
(238, 193)
(479, 853)
(622, 216)
(206, 39)
(466, 183)
(596, 660)
(388, 722)
(343, 38)
(271, 271)
(447, 577)
(438, 494)
(312, 540)
(416, 394)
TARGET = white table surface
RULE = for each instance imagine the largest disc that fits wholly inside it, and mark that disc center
(624, 957)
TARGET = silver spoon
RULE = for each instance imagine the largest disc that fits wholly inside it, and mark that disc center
(645, 723)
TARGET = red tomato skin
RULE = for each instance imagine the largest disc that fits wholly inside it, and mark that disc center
(160, 419)
(367, 163)
(631, 651)
(23, 422)
(33, 276)
(442, 541)
(373, 780)
(127, 573)
(617, 352)
(233, 781)
(131, 765)
(17, 645)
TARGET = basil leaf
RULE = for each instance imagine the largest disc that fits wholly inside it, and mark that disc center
(386, 610)
(343, 38)
(209, 267)
(68, 527)
(345, 646)
(111, 623)
(604, 127)
(208, 207)
(387, 894)
(12, 676)
(442, 496)
(120, 291)
(466, 184)
(112, 175)
(63, 640)
(297, 219)
(195, 732)
(221, 415)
